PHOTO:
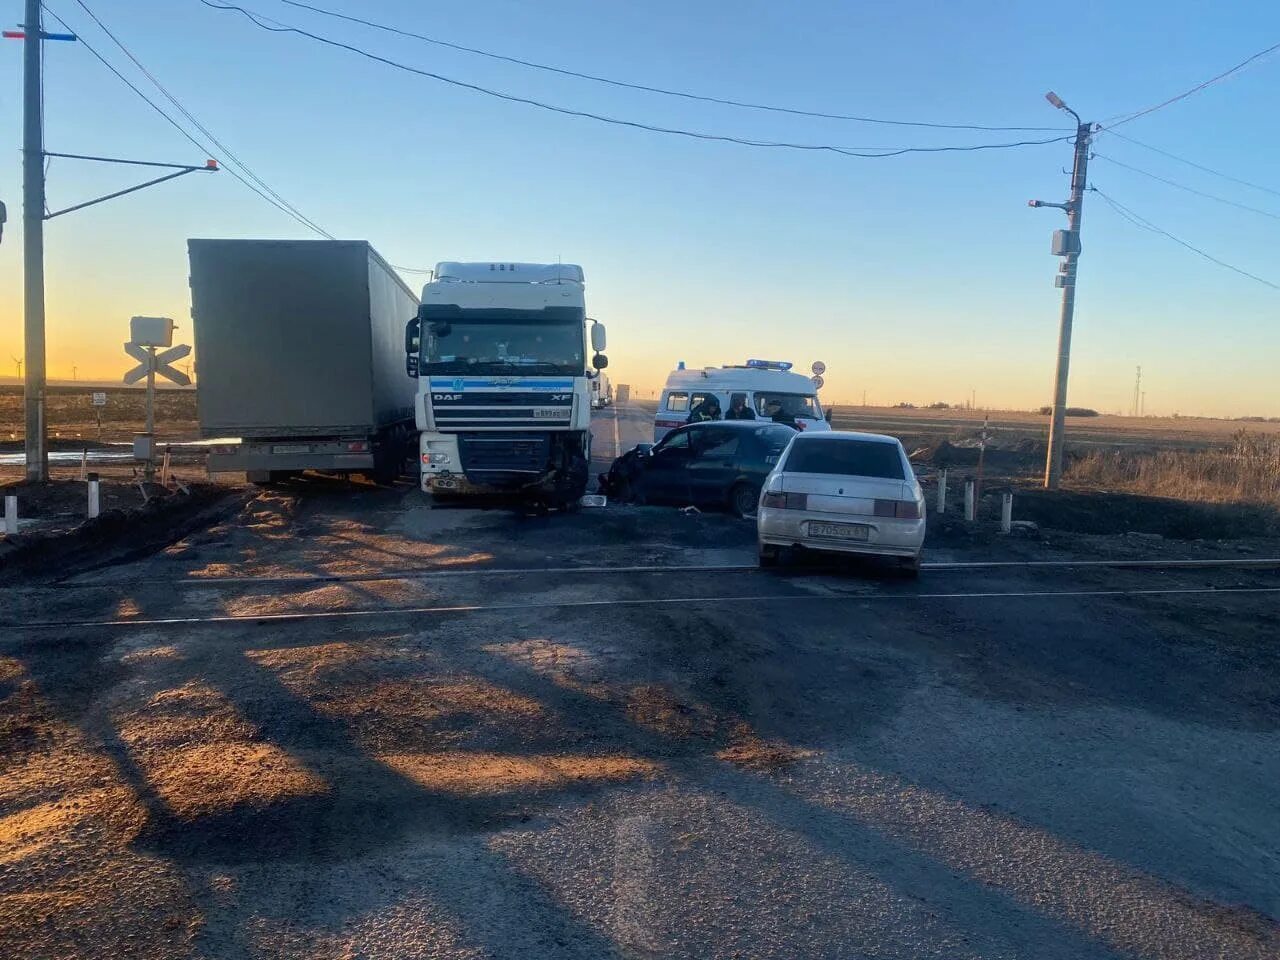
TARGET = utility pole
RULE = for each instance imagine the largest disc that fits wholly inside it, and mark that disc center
(1137, 390)
(1066, 244)
(33, 35)
(33, 245)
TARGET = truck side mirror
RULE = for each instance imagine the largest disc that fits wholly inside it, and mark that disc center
(599, 361)
(597, 336)
(412, 344)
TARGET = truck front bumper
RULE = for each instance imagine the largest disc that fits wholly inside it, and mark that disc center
(485, 463)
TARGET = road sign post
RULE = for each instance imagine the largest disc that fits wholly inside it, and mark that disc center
(99, 400)
(149, 364)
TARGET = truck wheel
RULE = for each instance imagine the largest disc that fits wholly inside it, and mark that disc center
(269, 478)
(385, 469)
(388, 457)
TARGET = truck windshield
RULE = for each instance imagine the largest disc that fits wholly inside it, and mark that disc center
(788, 405)
(504, 347)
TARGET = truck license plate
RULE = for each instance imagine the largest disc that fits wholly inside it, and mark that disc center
(840, 531)
(290, 448)
(550, 413)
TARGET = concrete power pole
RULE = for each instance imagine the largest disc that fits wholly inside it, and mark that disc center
(1067, 245)
(33, 246)
(1137, 394)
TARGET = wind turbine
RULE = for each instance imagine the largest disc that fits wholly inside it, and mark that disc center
(19, 363)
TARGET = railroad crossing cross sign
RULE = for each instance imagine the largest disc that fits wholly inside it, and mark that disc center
(151, 362)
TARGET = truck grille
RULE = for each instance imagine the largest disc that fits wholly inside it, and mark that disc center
(474, 409)
(509, 453)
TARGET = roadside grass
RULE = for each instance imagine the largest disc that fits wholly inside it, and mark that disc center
(1247, 471)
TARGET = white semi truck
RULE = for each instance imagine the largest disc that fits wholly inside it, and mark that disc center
(500, 351)
(601, 391)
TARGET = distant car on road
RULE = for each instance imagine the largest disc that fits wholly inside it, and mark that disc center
(850, 493)
(715, 463)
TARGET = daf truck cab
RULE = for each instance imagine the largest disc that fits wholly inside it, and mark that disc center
(500, 352)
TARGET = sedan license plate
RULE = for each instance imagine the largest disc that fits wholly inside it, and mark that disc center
(839, 531)
(550, 413)
(290, 448)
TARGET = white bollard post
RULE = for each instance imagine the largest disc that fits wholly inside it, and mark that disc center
(970, 505)
(1006, 513)
(942, 491)
(84, 463)
(11, 513)
(95, 502)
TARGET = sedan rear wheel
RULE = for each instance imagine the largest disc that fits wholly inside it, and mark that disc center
(769, 555)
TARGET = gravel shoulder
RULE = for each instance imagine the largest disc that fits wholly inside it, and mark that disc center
(996, 763)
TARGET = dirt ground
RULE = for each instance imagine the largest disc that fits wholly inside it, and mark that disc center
(333, 721)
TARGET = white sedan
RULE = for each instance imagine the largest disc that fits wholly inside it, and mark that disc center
(851, 493)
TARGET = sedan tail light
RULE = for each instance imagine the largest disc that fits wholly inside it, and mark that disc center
(785, 501)
(898, 509)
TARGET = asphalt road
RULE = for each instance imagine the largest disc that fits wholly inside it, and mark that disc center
(340, 723)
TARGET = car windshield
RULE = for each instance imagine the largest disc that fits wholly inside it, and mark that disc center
(791, 405)
(498, 347)
(846, 458)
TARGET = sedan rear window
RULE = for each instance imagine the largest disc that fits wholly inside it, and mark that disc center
(846, 458)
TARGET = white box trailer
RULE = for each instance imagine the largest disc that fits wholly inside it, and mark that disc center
(300, 356)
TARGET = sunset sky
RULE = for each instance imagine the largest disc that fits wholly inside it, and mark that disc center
(920, 277)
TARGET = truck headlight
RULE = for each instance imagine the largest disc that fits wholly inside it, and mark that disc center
(430, 458)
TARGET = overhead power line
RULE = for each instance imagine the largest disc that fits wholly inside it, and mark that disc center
(1126, 118)
(1192, 163)
(666, 92)
(275, 26)
(1198, 193)
(280, 204)
(203, 148)
(228, 154)
(1145, 224)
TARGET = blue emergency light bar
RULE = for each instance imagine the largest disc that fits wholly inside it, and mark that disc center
(769, 364)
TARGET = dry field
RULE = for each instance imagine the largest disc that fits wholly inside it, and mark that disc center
(72, 418)
(1246, 471)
